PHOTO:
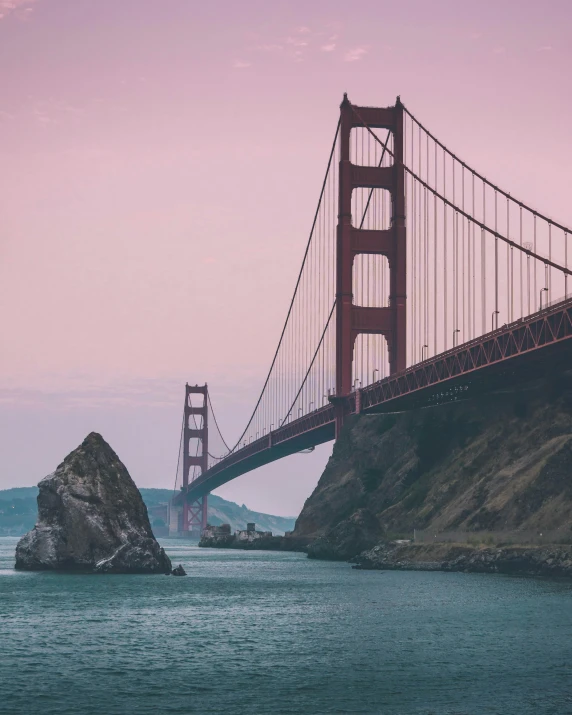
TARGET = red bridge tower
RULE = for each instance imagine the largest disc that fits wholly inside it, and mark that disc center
(195, 511)
(351, 319)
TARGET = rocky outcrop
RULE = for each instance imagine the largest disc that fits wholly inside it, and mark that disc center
(91, 517)
(218, 541)
(502, 462)
(521, 560)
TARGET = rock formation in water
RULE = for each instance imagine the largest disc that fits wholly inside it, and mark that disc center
(502, 462)
(91, 517)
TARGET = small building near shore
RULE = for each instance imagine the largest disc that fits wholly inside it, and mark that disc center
(251, 534)
(215, 531)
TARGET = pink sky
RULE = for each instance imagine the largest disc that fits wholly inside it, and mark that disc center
(161, 162)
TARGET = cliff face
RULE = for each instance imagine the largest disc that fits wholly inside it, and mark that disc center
(499, 463)
(91, 517)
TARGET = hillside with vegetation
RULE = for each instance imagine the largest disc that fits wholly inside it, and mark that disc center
(497, 464)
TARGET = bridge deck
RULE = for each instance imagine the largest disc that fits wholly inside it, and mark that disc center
(519, 351)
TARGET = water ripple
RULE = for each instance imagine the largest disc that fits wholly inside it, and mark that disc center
(271, 634)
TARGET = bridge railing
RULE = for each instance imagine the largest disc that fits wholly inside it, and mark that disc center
(469, 356)
(312, 420)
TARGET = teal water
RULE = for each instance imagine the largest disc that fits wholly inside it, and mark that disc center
(271, 633)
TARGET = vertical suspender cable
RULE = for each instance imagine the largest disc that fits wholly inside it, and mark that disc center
(549, 286)
(535, 262)
(521, 315)
(455, 260)
(462, 255)
(484, 267)
(445, 335)
(566, 265)
(496, 266)
(521, 285)
(435, 259)
(426, 241)
(473, 328)
(509, 267)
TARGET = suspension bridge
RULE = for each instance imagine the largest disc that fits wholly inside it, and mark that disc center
(422, 282)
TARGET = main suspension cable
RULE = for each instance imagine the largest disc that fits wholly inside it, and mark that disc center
(311, 363)
(180, 450)
(506, 194)
(547, 261)
(295, 289)
(216, 423)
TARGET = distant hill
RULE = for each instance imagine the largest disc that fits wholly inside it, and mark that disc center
(18, 493)
(18, 511)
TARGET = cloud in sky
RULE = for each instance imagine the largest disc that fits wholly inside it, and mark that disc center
(41, 116)
(241, 64)
(9, 6)
(296, 41)
(129, 392)
(270, 47)
(301, 41)
(330, 45)
(355, 54)
(52, 111)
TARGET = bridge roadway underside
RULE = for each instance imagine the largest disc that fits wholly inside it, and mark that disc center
(547, 355)
(510, 375)
(208, 481)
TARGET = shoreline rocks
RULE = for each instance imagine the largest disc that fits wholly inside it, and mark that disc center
(553, 560)
(91, 518)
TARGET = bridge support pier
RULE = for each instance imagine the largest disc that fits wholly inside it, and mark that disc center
(195, 516)
(351, 319)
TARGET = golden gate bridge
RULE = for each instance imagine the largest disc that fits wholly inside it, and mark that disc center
(421, 282)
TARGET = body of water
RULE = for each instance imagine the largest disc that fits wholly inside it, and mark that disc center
(260, 633)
